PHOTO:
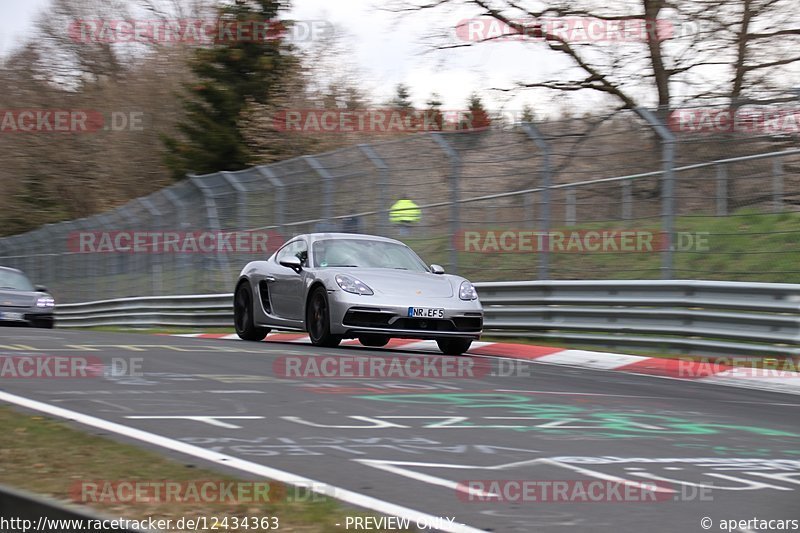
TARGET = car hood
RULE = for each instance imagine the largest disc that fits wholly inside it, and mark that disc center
(9, 298)
(392, 282)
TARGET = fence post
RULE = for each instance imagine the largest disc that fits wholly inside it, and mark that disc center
(280, 213)
(777, 185)
(129, 262)
(455, 197)
(327, 180)
(667, 189)
(570, 215)
(109, 261)
(627, 201)
(42, 257)
(722, 191)
(212, 215)
(156, 278)
(536, 136)
(179, 259)
(89, 265)
(383, 186)
(241, 199)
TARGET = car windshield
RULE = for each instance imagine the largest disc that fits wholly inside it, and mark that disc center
(365, 253)
(12, 280)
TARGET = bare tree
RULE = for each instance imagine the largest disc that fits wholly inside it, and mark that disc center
(720, 51)
(60, 176)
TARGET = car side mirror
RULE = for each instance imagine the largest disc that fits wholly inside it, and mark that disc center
(437, 269)
(293, 263)
(40, 288)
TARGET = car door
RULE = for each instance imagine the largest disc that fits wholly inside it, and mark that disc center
(286, 291)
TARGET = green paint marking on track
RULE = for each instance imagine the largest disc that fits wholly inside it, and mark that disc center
(560, 418)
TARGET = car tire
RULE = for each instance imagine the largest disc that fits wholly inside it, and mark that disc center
(243, 319)
(454, 346)
(374, 341)
(318, 320)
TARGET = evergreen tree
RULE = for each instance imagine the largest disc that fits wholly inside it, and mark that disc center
(434, 119)
(230, 72)
(527, 113)
(402, 98)
(476, 118)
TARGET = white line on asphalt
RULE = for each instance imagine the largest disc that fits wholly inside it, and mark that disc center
(700, 381)
(235, 392)
(586, 394)
(344, 495)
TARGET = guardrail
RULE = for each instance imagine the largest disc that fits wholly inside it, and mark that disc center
(702, 317)
(26, 511)
(209, 310)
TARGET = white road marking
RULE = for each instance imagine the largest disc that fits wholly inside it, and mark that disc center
(210, 420)
(401, 468)
(590, 359)
(585, 394)
(344, 495)
(236, 391)
(789, 383)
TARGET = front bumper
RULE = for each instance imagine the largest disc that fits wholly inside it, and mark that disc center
(353, 315)
(16, 316)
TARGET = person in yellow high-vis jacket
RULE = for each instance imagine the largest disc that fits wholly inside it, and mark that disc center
(404, 214)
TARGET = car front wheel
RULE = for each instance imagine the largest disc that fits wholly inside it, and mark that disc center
(243, 318)
(454, 346)
(46, 323)
(318, 320)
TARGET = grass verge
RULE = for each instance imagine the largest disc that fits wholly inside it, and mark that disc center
(46, 456)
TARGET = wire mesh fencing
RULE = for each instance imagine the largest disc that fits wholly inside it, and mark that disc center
(630, 195)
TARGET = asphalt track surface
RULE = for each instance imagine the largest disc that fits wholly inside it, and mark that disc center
(725, 453)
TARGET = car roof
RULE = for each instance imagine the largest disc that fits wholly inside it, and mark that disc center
(336, 236)
(11, 269)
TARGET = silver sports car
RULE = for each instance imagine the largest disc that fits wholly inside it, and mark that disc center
(344, 285)
(22, 303)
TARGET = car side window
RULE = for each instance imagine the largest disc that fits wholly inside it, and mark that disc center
(298, 249)
(302, 253)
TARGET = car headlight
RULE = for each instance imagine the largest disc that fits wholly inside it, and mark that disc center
(45, 301)
(467, 291)
(352, 285)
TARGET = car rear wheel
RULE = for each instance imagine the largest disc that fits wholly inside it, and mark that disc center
(243, 319)
(454, 346)
(318, 320)
(374, 341)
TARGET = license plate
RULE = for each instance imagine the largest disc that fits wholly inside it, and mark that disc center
(11, 316)
(425, 312)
